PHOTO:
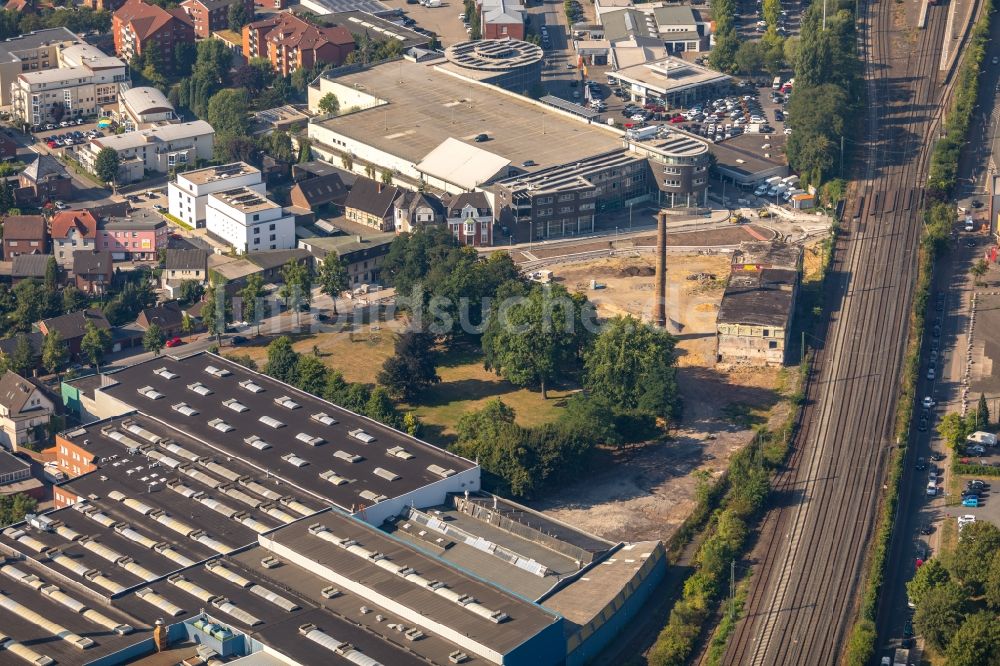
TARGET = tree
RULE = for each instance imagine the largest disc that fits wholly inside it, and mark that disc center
(106, 165)
(491, 437)
(296, 289)
(532, 340)
(624, 357)
(217, 311)
(991, 588)
(190, 291)
(953, 429)
(54, 352)
(939, 615)
(333, 277)
(329, 104)
(153, 339)
(187, 325)
(243, 359)
(977, 642)
(238, 17)
(380, 407)
(305, 150)
(386, 177)
(95, 343)
(930, 575)
(282, 360)
(253, 303)
(749, 58)
(983, 412)
(310, 374)
(978, 270)
(22, 360)
(13, 508)
(32, 304)
(51, 274)
(411, 369)
(977, 545)
(228, 112)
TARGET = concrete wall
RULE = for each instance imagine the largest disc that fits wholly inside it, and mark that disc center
(748, 344)
(430, 495)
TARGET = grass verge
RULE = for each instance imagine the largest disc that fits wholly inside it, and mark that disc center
(178, 221)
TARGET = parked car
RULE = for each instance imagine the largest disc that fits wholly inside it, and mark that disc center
(174, 342)
(238, 339)
(971, 502)
(978, 450)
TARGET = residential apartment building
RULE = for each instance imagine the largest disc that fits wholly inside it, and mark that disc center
(211, 15)
(31, 52)
(24, 410)
(72, 230)
(413, 210)
(155, 150)
(138, 236)
(181, 266)
(139, 28)
(24, 234)
(502, 19)
(45, 179)
(249, 221)
(470, 219)
(362, 256)
(291, 43)
(84, 80)
(371, 203)
(187, 196)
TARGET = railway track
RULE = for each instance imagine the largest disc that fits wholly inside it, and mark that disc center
(811, 554)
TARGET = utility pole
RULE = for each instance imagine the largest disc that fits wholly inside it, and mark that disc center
(841, 155)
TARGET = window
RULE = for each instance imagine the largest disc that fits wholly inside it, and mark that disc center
(272, 237)
(256, 241)
(256, 230)
(773, 344)
(256, 217)
(271, 228)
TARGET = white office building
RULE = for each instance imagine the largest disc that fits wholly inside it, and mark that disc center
(249, 221)
(154, 150)
(187, 197)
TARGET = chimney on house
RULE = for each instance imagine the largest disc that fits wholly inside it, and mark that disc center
(660, 304)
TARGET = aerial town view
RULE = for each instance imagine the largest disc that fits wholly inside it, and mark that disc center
(499, 332)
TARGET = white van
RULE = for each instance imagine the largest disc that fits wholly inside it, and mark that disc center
(776, 84)
(776, 190)
(931, 488)
(761, 190)
(983, 438)
(790, 180)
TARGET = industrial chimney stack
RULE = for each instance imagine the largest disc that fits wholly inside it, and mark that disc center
(660, 305)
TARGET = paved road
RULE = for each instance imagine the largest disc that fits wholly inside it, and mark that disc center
(811, 553)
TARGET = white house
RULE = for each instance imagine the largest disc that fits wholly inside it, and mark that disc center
(23, 409)
(187, 197)
(249, 221)
(156, 150)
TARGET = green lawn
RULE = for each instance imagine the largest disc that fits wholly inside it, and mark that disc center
(466, 386)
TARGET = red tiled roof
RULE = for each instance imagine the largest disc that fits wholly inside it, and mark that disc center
(291, 30)
(82, 220)
(145, 19)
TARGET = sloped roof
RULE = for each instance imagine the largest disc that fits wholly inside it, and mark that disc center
(30, 265)
(371, 197)
(462, 164)
(146, 20)
(86, 262)
(15, 391)
(24, 227)
(477, 200)
(412, 201)
(186, 260)
(82, 220)
(146, 99)
(74, 324)
(165, 316)
(45, 165)
(322, 189)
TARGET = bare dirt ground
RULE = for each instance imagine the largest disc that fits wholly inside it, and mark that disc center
(647, 492)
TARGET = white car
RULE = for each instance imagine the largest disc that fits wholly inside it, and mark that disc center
(61, 205)
(928, 402)
(788, 130)
(931, 373)
(978, 450)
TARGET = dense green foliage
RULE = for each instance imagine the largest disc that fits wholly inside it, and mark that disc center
(955, 596)
(14, 507)
(723, 55)
(827, 93)
(411, 368)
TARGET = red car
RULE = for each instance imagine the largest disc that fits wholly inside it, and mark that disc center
(175, 342)
(51, 144)
(678, 119)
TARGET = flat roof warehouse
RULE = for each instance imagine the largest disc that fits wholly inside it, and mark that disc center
(193, 517)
